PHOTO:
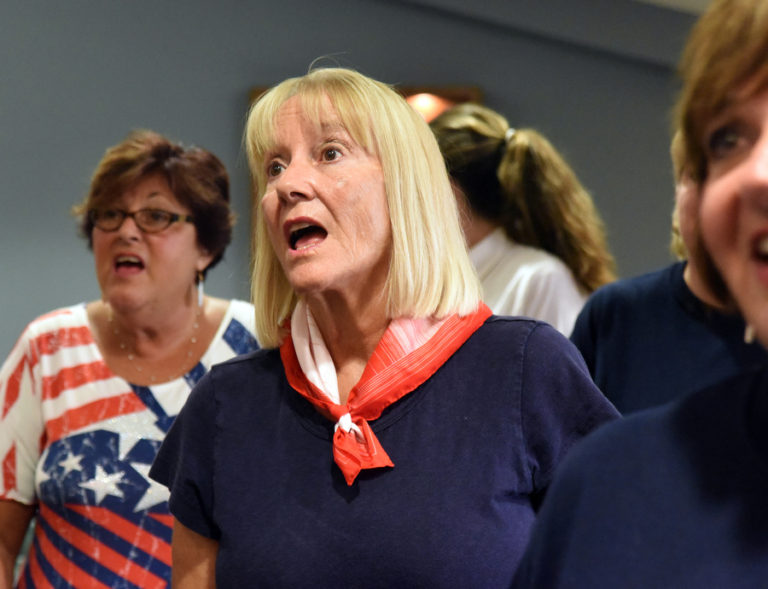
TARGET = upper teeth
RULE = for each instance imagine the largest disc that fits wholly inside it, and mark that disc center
(128, 259)
(762, 246)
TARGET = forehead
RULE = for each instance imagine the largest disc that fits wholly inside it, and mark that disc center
(750, 93)
(319, 119)
(150, 189)
(320, 113)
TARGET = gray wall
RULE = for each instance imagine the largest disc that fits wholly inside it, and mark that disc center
(596, 76)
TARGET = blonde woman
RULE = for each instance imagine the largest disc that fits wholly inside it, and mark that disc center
(394, 433)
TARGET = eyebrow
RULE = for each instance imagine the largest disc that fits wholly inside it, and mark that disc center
(333, 126)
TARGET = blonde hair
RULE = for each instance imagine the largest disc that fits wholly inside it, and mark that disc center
(517, 179)
(676, 243)
(430, 272)
(727, 48)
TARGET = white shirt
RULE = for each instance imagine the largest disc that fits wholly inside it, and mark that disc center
(522, 280)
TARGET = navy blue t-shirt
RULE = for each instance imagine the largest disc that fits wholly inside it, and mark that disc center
(675, 496)
(648, 340)
(249, 463)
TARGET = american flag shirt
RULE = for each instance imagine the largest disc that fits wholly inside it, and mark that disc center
(78, 441)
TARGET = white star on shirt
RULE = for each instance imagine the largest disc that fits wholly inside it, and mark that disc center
(71, 462)
(104, 484)
(156, 493)
(43, 476)
(134, 428)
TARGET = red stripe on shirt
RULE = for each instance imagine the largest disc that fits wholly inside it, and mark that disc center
(74, 376)
(66, 569)
(164, 518)
(108, 557)
(39, 580)
(9, 470)
(66, 337)
(13, 386)
(128, 531)
(54, 313)
(75, 419)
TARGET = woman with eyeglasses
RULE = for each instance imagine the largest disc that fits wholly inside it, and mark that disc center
(89, 391)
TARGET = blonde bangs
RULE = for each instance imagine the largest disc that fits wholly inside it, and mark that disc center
(430, 272)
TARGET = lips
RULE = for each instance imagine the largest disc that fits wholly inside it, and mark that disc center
(128, 263)
(304, 234)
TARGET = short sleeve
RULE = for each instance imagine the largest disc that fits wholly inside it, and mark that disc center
(549, 549)
(21, 422)
(185, 462)
(560, 404)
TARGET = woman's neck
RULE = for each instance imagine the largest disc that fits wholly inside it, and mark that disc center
(351, 331)
(150, 331)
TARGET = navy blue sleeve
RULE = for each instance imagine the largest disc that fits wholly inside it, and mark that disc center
(593, 528)
(185, 461)
(559, 404)
(550, 546)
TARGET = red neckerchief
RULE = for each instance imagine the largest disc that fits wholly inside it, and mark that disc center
(383, 382)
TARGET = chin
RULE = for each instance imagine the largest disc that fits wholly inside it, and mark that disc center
(304, 282)
(122, 301)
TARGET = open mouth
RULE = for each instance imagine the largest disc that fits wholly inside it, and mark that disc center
(305, 235)
(129, 262)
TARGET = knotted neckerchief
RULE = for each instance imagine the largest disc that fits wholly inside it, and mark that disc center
(409, 352)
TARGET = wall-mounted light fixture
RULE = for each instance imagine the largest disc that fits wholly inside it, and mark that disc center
(430, 101)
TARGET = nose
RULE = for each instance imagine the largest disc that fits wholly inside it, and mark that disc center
(295, 182)
(128, 229)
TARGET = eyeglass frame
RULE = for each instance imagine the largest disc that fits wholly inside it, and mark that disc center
(172, 218)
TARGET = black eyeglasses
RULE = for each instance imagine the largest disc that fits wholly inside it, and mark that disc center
(148, 220)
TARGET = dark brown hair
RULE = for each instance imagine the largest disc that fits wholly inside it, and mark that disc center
(197, 178)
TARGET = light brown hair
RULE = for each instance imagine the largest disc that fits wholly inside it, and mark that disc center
(519, 181)
(725, 60)
(726, 50)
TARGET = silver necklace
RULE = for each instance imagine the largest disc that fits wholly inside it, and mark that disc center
(130, 351)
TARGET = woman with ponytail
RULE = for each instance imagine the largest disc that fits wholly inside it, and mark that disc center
(534, 234)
